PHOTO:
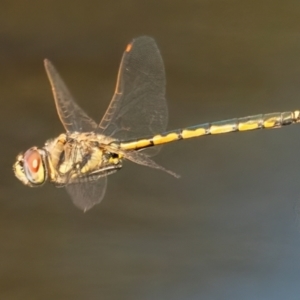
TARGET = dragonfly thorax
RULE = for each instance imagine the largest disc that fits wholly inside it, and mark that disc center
(79, 157)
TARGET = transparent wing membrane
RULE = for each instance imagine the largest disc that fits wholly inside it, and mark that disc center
(142, 159)
(86, 194)
(138, 107)
(71, 115)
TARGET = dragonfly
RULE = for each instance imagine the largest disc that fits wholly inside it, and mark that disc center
(133, 125)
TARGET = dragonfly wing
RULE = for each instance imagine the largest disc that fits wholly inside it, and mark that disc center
(138, 107)
(142, 159)
(71, 115)
(86, 194)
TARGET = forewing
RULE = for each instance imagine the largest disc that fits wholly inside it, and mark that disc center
(71, 115)
(138, 107)
(86, 194)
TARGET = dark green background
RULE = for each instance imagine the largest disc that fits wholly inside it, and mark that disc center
(228, 229)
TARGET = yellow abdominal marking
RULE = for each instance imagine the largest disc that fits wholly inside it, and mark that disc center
(272, 120)
(270, 123)
(217, 129)
(250, 125)
(160, 139)
(136, 144)
(188, 133)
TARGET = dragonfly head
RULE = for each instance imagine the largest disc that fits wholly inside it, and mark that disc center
(30, 168)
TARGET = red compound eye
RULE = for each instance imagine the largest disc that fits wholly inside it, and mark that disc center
(32, 160)
(33, 167)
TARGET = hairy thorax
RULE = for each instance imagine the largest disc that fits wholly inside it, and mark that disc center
(77, 157)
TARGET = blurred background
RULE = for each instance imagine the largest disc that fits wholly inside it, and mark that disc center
(229, 227)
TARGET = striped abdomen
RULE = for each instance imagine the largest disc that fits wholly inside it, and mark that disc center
(262, 121)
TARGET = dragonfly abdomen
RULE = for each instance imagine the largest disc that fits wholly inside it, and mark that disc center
(261, 121)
